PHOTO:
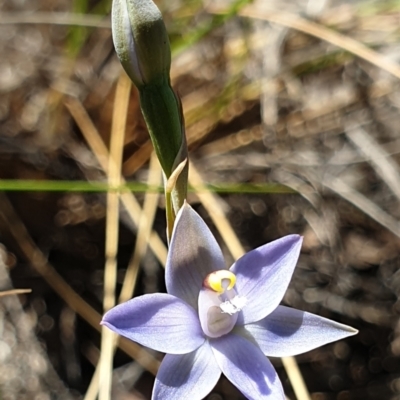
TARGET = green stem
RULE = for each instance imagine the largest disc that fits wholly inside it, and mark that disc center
(170, 215)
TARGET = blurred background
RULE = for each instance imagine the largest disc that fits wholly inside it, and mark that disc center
(292, 119)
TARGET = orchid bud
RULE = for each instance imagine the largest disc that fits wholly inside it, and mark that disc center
(141, 41)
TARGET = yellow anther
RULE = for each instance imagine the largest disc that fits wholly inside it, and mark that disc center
(220, 281)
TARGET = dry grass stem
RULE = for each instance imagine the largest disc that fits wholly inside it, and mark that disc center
(144, 230)
(211, 204)
(14, 292)
(143, 234)
(100, 151)
(294, 21)
(379, 159)
(39, 262)
(296, 378)
(46, 18)
(120, 108)
(138, 159)
(361, 202)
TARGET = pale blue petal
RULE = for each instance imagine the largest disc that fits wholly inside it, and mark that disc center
(187, 377)
(288, 332)
(263, 276)
(159, 321)
(247, 368)
(193, 254)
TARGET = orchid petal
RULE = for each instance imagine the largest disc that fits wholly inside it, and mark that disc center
(289, 332)
(247, 368)
(159, 321)
(189, 376)
(263, 276)
(193, 254)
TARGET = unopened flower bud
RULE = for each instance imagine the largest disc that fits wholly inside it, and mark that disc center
(142, 45)
(141, 41)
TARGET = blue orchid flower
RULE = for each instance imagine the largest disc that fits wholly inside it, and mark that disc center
(216, 320)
